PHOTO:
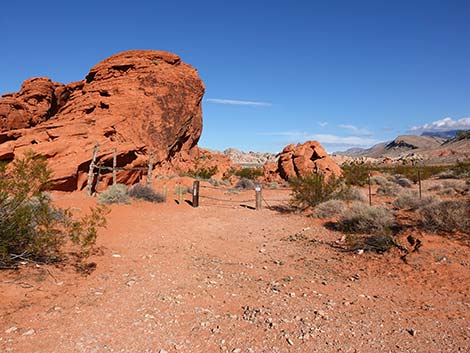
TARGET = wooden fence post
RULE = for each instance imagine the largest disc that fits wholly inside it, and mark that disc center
(114, 166)
(370, 191)
(149, 172)
(89, 185)
(196, 193)
(258, 197)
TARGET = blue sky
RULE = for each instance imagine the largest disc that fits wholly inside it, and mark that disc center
(347, 73)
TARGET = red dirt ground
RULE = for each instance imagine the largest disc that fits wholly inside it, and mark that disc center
(226, 278)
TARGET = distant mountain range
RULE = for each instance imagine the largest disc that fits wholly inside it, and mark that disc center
(446, 146)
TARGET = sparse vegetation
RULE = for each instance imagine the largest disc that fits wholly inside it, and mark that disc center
(31, 227)
(248, 173)
(378, 180)
(355, 173)
(404, 182)
(313, 189)
(203, 173)
(389, 189)
(146, 193)
(349, 193)
(409, 199)
(360, 218)
(245, 183)
(115, 194)
(329, 209)
(447, 216)
(378, 243)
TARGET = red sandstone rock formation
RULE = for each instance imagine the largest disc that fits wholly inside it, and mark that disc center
(303, 159)
(137, 101)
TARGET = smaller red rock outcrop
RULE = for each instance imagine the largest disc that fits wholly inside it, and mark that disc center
(303, 159)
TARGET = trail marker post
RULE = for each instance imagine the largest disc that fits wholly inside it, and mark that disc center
(258, 197)
(196, 193)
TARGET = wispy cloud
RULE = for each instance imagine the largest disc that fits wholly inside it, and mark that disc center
(355, 130)
(445, 124)
(326, 139)
(322, 123)
(238, 102)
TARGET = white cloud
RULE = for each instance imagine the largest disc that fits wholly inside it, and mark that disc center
(355, 129)
(445, 124)
(238, 102)
(324, 139)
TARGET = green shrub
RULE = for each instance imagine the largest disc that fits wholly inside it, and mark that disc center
(31, 228)
(329, 209)
(203, 173)
(360, 218)
(447, 216)
(378, 180)
(355, 173)
(146, 193)
(249, 173)
(313, 189)
(114, 194)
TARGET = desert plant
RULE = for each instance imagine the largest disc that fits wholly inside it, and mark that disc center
(146, 193)
(117, 193)
(436, 187)
(447, 216)
(329, 209)
(348, 193)
(458, 185)
(389, 189)
(31, 228)
(360, 218)
(249, 173)
(378, 180)
(447, 192)
(404, 182)
(355, 173)
(409, 199)
(245, 183)
(203, 173)
(312, 189)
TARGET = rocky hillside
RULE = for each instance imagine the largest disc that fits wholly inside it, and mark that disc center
(250, 158)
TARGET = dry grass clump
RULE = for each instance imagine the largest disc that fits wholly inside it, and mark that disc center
(329, 209)
(361, 218)
(348, 193)
(404, 182)
(114, 194)
(378, 180)
(245, 183)
(436, 187)
(409, 199)
(389, 189)
(458, 185)
(146, 193)
(447, 216)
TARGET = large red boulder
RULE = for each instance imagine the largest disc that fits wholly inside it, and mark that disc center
(303, 159)
(136, 101)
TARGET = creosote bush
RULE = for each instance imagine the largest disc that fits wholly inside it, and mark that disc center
(245, 183)
(329, 209)
(114, 194)
(249, 173)
(361, 218)
(31, 227)
(348, 193)
(310, 190)
(355, 173)
(447, 216)
(378, 180)
(146, 193)
(389, 189)
(203, 173)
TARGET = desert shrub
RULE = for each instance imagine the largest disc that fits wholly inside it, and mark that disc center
(114, 194)
(146, 193)
(436, 187)
(447, 192)
(245, 183)
(409, 199)
(249, 173)
(355, 173)
(310, 190)
(458, 185)
(31, 227)
(413, 173)
(461, 169)
(447, 216)
(348, 193)
(273, 185)
(203, 173)
(389, 189)
(404, 182)
(446, 174)
(328, 209)
(360, 218)
(378, 180)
